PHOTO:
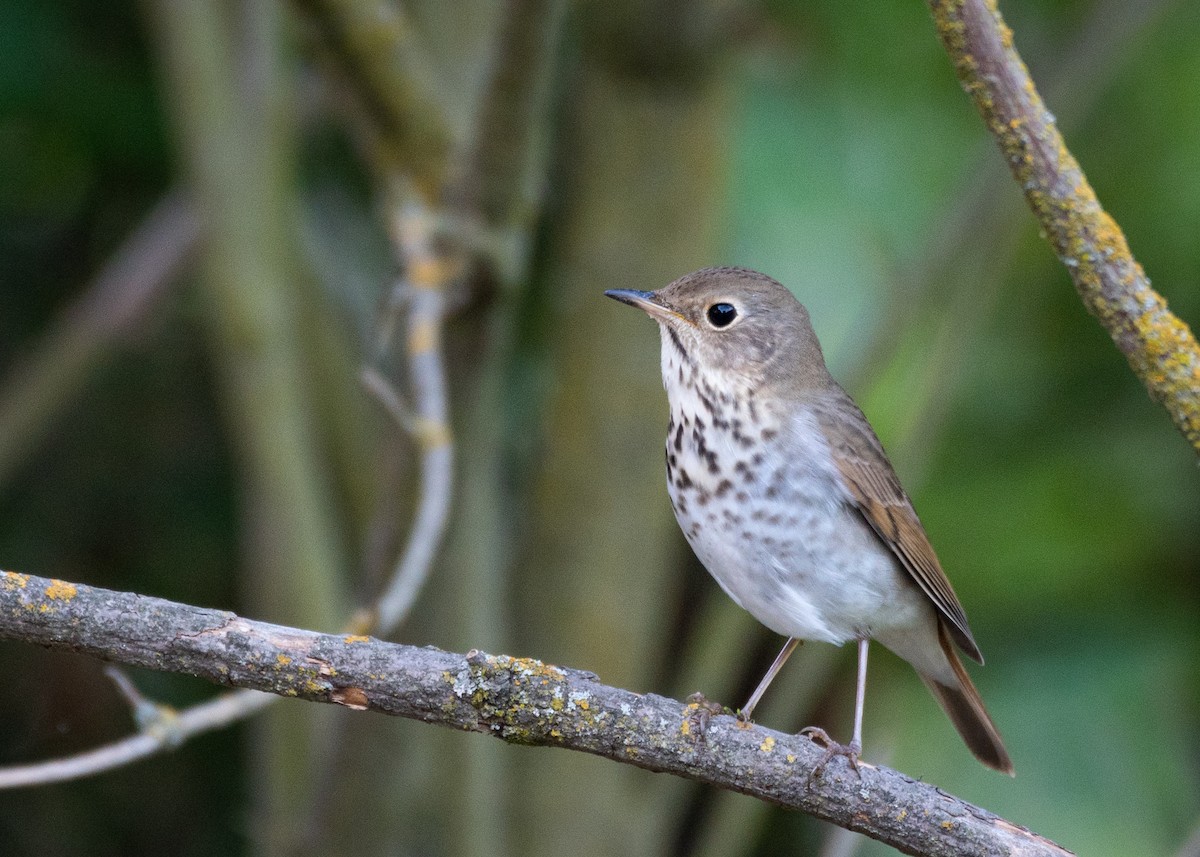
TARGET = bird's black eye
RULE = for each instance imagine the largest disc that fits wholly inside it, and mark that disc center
(722, 315)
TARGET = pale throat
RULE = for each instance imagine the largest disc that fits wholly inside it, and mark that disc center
(717, 423)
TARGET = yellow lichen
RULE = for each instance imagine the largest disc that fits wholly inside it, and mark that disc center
(356, 638)
(423, 337)
(767, 745)
(283, 660)
(60, 590)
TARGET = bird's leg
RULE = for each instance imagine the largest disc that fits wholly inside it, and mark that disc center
(854, 748)
(780, 660)
(860, 696)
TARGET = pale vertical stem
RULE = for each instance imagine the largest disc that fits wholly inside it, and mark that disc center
(424, 282)
(502, 190)
(231, 99)
(646, 173)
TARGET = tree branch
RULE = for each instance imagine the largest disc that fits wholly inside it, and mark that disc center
(375, 43)
(519, 700)
(1160, 348)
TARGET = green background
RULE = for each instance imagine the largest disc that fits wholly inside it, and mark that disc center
(824, 143)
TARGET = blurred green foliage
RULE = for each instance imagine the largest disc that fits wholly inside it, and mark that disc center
(1063, 504)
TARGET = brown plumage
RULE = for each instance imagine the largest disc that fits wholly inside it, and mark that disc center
(785, 493)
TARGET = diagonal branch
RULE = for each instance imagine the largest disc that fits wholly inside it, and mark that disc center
(1160, 348)
(112, 306)
(519, 700)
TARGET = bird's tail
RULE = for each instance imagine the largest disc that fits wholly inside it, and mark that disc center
(965, 709)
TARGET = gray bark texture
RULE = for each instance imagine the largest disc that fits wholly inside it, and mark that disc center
(519, 700)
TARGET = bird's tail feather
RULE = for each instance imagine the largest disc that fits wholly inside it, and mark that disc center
(965, 709)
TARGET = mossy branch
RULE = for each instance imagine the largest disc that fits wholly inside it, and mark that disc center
(1160, 348)
(519, 700)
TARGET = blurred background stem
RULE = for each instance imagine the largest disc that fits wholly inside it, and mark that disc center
(223, 65)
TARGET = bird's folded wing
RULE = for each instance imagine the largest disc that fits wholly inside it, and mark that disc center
(881, 499)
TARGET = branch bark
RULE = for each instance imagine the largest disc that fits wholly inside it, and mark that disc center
(519, 700)
(1160, 348)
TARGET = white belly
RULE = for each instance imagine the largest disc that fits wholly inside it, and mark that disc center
(779, 534)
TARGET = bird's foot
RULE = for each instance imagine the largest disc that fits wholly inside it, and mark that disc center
(702, 710)
(832, 748)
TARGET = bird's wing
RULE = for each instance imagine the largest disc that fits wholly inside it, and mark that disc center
(881, 499)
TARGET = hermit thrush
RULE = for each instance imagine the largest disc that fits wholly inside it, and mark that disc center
(786, 495)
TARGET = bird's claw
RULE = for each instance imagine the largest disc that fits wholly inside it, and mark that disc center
(832, 748)
(702, 711)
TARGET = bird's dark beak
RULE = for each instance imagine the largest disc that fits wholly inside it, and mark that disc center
(645, 301)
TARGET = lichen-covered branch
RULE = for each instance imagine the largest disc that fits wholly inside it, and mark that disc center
(1159, 347)
(519, 700)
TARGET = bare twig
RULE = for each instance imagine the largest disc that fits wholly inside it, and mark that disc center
(217, 713)
(111, 305)
(519, 700)
(1160, 348)
(428, 270)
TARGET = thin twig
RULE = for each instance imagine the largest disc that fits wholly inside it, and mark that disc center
(519, 700)
(428, 270)
(1159, 347)
(111, 306)
(216, 713)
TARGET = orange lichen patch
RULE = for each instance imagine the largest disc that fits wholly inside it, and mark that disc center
(282, 660)
(431, 272)
(946, 825)
(356, 638)
(685, 728)
(60, 590)
(432, 433)
(13, 580)
(530, 667)
(767, 745)
(423, 337)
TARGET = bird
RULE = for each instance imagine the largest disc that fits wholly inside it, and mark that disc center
(785, 494)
